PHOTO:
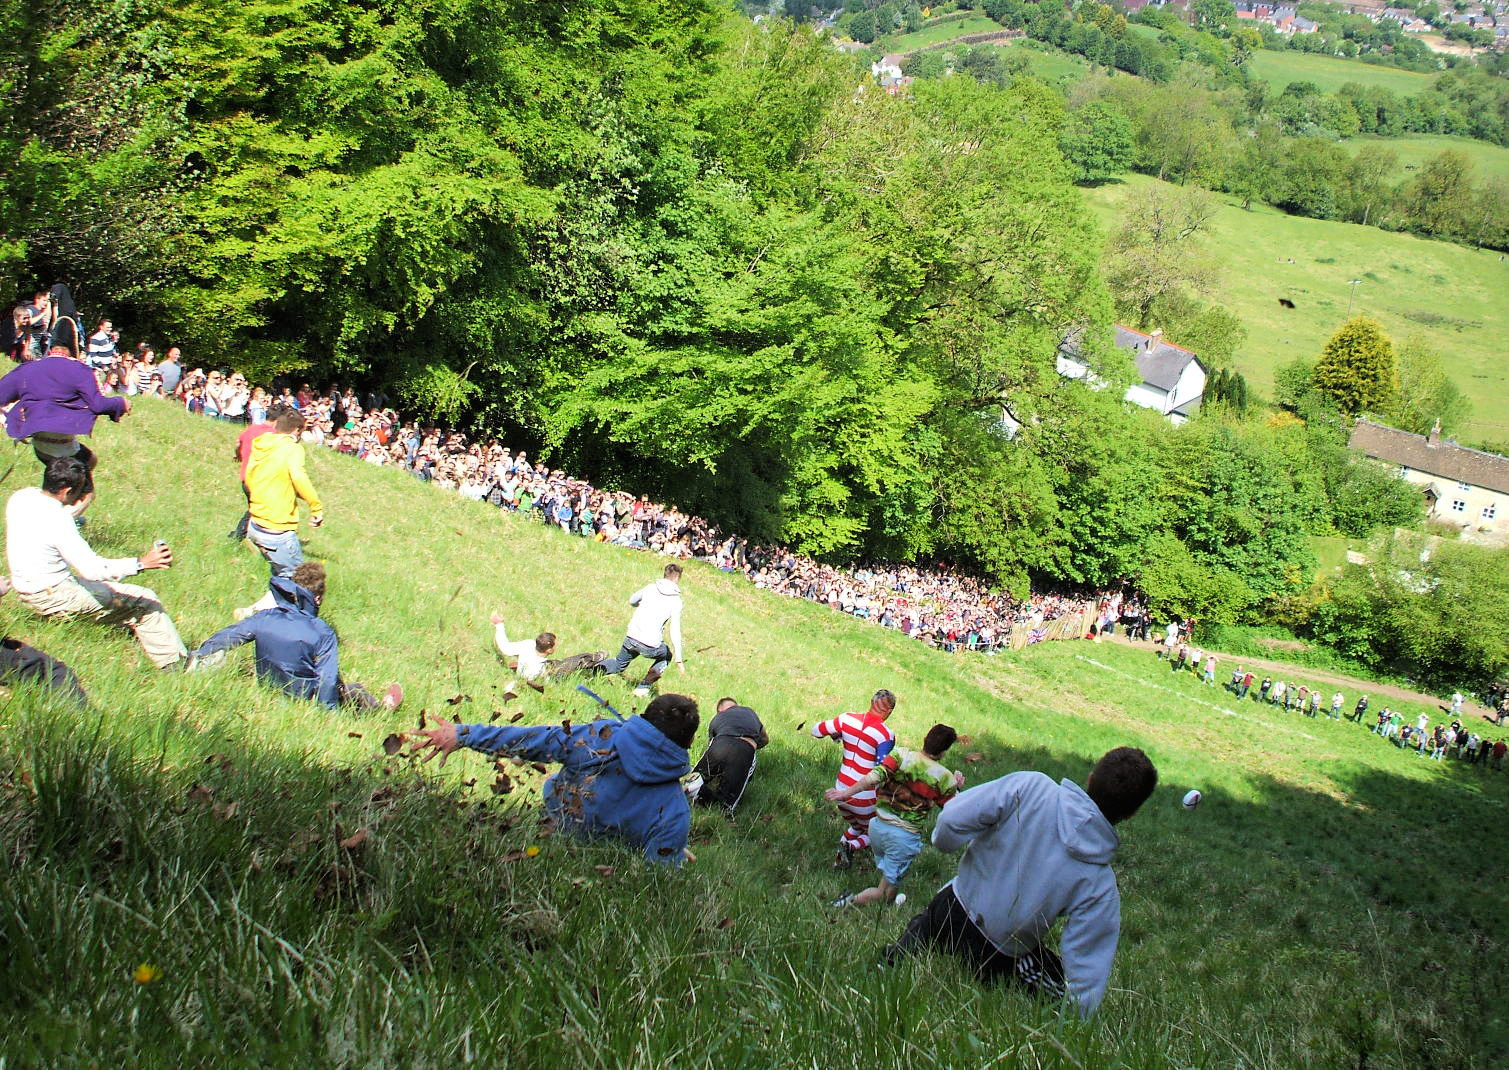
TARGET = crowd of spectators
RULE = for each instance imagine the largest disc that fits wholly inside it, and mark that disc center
(940, 607)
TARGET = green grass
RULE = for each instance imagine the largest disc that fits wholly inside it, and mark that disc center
(1330, 903)
(1489, 161)
(943, 31)
(1330, 73)
(1446, 294)
(1052, 64)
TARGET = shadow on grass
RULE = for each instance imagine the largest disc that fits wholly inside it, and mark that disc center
(296, 905)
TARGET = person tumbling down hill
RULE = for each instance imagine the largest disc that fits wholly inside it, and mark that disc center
(1036, 851)
(295, 650)
(531, 657)
(728, 764)
(866, 740)
(618, 778)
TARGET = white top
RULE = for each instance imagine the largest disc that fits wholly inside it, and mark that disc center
(656, 606)
(42, 543)
(531, 661)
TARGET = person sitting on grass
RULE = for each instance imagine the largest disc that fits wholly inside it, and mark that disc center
(909, 785)
(1036, 852)
(295, 650)
(57, 574)
(618, 778)
(728, 764)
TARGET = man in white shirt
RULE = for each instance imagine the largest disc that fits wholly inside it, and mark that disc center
(57, 574)
(656, 606)
(532, 655)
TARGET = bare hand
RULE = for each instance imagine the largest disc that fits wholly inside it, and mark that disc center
(837, 794)
(439, 740)
(496, 617)
(5, 586)
(128, 406)
(157, 557)
(681, 666)
(687, 853)
(316, 520)
(958, 779)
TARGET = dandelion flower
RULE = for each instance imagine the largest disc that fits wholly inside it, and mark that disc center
(531, 850)
(146, 974)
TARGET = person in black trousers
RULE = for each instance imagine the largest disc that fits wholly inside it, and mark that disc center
(727, 765)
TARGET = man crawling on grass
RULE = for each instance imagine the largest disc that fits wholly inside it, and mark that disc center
(617, 777)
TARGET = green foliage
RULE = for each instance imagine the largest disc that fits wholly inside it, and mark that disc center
(1435, 612)
(1157, 255)
(1097, 142)
(1426, 393)
(1356, 369)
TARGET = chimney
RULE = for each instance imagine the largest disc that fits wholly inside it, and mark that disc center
(1154, 338)
(1435, 434)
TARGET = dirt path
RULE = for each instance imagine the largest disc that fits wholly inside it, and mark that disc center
(1352, 686)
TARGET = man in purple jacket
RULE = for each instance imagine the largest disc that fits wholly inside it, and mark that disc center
(55, 400)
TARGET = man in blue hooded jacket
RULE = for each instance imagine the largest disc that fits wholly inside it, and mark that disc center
(295, 649)
(617, 778)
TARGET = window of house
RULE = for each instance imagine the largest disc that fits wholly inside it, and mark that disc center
(1458, 505)
(1464, 486)
(1490, 511)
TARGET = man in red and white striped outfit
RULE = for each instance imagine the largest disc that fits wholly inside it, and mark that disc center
(866, 741)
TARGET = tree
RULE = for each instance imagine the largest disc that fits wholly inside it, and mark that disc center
(862, 27)
(1156, 252)
(1439, 198)
(1097, 142)
(1356, 369)
(1426, 393)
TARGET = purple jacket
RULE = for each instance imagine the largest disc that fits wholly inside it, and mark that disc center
(55, 395)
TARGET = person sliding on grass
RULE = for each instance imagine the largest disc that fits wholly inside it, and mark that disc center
(618, 777)
(531, 657)
(909, 786)
(729, 761)
(1036, 852)
(866, 740)
(656, 606)
(295, 650)
(19, 662)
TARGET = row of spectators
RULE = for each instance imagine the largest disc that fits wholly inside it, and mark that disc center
(938, 606)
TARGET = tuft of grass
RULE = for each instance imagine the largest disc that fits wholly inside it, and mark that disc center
(288, 892)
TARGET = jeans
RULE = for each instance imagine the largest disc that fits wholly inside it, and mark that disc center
(633, 648)
(282, 549)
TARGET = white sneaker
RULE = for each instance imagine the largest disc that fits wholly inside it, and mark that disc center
(641, 691)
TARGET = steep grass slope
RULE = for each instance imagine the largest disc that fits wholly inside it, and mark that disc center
(303, 897)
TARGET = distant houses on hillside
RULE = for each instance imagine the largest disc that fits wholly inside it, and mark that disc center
(1172, 377)
(1465, 488)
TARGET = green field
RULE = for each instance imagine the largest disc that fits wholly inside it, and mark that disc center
(943, 31)
(1489, 161)
(1330, 73)
(1051, 64)
(1447, 294)
(306, 899)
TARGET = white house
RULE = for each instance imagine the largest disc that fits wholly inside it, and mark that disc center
(1466, 488)
(887, 66)
(1173, 379)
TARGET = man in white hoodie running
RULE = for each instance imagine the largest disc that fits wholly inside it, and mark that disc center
(1037, 851)
(655, 606)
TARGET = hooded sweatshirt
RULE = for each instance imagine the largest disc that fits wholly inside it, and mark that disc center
(276, 480)
(1038, 851)
(295, 649)
(618, 778)
(655, 606)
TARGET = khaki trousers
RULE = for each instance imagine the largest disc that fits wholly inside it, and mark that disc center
(114, 603)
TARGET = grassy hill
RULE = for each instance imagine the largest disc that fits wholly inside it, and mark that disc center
(1329, 903)
(938, 32)
(1447, 294)
(1330, 73)
(1489, 161)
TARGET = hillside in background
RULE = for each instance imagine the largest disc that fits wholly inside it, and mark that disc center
(1330, 902)
(1447, 294)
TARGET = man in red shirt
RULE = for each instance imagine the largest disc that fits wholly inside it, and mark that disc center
(243, 457)
(866, 741)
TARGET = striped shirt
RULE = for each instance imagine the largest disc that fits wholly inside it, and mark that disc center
(866, 740)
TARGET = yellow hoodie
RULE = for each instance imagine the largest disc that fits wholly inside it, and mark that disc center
(276, 479)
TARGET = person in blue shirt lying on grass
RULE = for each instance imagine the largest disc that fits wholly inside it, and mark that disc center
(618, 777)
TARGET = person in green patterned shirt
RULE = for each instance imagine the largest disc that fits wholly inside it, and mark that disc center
(909, 786)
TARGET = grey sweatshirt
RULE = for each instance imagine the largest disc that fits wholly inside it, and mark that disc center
(1038, 851)
(655, 606)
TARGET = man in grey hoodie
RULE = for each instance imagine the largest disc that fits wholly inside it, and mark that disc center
(1036, 851)
(655, 606)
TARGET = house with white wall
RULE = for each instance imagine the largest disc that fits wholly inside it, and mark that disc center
(1172, 377)
(1466, 488)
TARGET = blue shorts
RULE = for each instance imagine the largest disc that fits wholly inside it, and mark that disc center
(894, 849)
